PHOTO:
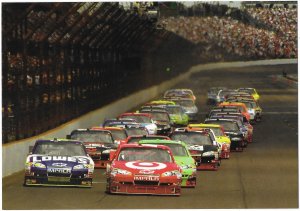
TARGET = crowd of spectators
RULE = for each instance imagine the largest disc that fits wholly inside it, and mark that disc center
(242, 39)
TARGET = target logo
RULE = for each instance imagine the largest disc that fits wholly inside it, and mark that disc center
(145, 165)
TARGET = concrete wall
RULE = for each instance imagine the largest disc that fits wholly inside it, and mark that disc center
(14, 154)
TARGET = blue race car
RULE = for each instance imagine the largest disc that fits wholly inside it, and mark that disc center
(58, 162)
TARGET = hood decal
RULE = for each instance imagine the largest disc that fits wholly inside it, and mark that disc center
(145, 165)
(47, 158)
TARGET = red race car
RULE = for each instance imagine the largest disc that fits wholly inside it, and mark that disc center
(143, 169)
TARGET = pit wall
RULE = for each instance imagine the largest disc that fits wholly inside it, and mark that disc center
(14, 154)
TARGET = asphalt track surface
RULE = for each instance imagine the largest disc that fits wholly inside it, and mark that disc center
(265, 175)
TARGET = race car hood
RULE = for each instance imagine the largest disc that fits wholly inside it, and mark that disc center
(200, 149)
(59, 161)
(181, 161)
(145, 167)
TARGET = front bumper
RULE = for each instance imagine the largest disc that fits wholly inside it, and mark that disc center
(189, 179)
(44, 179)
(123, 185)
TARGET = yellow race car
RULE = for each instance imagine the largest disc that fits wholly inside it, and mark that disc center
(251, 91)
(221, 137)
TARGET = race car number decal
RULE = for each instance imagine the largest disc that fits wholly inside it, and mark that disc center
(145, 165)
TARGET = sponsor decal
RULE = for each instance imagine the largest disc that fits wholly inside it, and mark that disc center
(93, 145)
(59, 158)
(146, 171)
(59, 164)
(196, 147)
(59, 170)
(145, 165)
(146, 178)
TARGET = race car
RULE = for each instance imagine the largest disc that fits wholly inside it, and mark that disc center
(98, 144)
(242, 121)
(232, 130)
(181, 93)
(188, 106)
(221, 137)
(244, 128)
(144, 119)
(222, 95)
(212, 94)
(202, 147)
(253, 107)
(118, 134)
(177, 115)
(136, 130)
(161, 119)
(242, 108)
(143, 169)
(114, 122)
(135, 139)
(252, 91)
(182, 157)
(58, 162)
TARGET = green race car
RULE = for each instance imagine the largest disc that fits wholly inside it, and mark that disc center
(177, 115)
(182, 158)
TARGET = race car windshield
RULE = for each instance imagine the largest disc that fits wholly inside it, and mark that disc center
(175, 110)
(186, 103)
(118, 134)
(217, 131)
(223, 93)
(93, 136)
(144, 154)
(59, 149)
(159, 116)
(177, 149)
(227, 125)
(250, 91)
(136, 131)
(192, 138)
(140, 119)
